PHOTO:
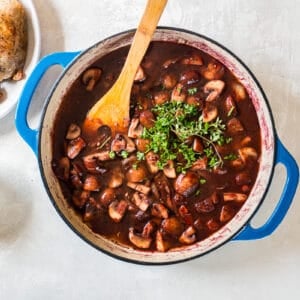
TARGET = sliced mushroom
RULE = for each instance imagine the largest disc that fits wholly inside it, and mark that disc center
(92, 209)
(62, 168)
(73, 132)
(161, 244)
(141, 200)
(91, 77)
(79, 198)
(147, 118)
(239, 91)
(151, 160)
(129, 161)
(138, 240)
(187, 184)
(195, 100)
(212, 225)
(102, 138)
(93, 165)
(140, 216)
(116, 178)
(77, 168)
(199, 164)
(214, 89)
(242, 178)
(101, 156)
(117, 210)
(215, 198)
(107, 196)
(237, 197)
(76, 181)
(209, 113)
(118, 144)
(140, 75)
(148, 229)
(161, 97)
(179, 199)
(130, 145)
(169, 169)
(246, 141)
(197, 145)
(142, 144)
(155, 191)
(199, 225)
(91, 183)
(213, 71)
(137, 174)
(188, 236)
(234, 126)
(247, 153)
(139, 187)
(230, 107)
(237, 163)
(185, 215)
(205, 206)
(159, 210)
(169, 81)
(135, 129)
(164, 190)
(178, 93)
(189, 77)
(75, 146)
(227, 212)
(194, 59)
(170, 62)
(172, 226)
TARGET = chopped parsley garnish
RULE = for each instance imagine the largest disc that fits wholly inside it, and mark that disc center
(231, 156)
(192, 91)
(202, 181)
(112, 154)
(124, 154)
(176, 122)
(140, 155)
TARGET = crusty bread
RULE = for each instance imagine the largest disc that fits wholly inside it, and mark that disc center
(13, 39)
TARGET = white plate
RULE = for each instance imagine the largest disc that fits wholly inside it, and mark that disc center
(14, 88)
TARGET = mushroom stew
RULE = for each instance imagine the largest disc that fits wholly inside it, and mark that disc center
(187, 163)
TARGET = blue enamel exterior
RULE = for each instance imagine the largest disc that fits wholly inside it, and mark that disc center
(28, 134)
(289, 190)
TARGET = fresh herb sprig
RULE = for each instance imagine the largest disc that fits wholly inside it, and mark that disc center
(175, 123)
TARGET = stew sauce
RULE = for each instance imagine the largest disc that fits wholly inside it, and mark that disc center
(187, 163)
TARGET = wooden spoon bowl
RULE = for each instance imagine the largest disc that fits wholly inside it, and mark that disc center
(113, 108)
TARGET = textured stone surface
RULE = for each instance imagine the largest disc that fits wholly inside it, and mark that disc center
(41, 258)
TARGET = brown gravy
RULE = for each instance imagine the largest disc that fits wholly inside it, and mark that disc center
(174, 211)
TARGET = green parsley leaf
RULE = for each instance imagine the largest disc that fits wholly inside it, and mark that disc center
(124, 154)
(176, 122)
(231, 156)
(192, 91)
(112, 154)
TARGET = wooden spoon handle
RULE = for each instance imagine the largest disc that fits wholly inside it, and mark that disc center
(113, 108)
(141, 39)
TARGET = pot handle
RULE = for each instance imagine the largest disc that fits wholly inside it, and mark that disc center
(289, 190)
(30, 135)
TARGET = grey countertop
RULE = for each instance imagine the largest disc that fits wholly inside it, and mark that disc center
(41, 258)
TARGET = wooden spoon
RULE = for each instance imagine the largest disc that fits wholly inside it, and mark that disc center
(113, 108)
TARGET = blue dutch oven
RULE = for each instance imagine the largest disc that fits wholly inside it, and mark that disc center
(239, 228)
